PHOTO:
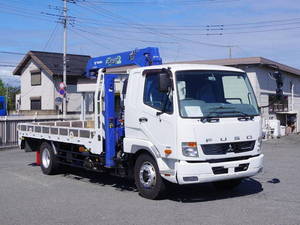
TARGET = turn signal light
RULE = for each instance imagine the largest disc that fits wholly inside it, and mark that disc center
(192, 144)
(168, 151)
(81, 149)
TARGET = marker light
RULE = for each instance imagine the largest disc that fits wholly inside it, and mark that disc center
(168, 151)
(81, 149)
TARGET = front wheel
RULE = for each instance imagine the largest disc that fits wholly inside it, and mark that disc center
(147, 178)
(48, 160)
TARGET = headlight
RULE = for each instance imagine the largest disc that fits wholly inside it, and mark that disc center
(189, 149)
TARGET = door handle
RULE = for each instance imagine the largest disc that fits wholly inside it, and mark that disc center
(143, 119)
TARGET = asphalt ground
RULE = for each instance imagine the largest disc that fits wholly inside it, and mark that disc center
(28, 197)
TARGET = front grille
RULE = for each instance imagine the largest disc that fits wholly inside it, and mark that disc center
(223, 148)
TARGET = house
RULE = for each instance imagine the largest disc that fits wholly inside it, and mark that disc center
(41, 73)
(258, 69)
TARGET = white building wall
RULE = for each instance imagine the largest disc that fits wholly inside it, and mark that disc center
(45, 90)
(263, 86)
(48, 91)
(74, 102)
(73, 97)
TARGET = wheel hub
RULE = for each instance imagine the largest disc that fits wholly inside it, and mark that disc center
(147, 175)
(46, 158)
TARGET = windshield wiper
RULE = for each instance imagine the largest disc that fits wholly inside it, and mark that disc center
(236, 111)
(221, 107)
(224, 112)
(216, 110)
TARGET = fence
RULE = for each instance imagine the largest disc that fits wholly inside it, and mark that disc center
(8, 127)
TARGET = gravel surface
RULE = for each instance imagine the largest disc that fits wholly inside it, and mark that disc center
(28, 197)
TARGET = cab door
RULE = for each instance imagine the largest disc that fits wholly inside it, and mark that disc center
(157, 119)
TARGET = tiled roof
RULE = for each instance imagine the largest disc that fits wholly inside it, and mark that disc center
(245, 61)
(52, 63)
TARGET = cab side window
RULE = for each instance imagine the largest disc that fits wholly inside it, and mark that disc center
(154, 98)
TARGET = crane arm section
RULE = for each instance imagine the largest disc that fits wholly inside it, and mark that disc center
(140, 57)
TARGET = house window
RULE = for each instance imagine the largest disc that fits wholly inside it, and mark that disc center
(35, 103)
(36, 78)
(279, 106)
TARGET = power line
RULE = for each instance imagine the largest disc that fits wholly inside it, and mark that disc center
(51, 36)
(7, 65)
(216, 27)
(262, 31)
(124, 38)
(221, 31)
(264, 24)
(12, 53)
(21, 12)
(196, 27)
(85, 37)
(151, 30)
(198, 2)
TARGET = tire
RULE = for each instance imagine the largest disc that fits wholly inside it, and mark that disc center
(147, 177)
(48, 159)
(227, 184)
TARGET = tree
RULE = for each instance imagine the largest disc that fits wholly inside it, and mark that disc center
(2, 88)
(12, 91)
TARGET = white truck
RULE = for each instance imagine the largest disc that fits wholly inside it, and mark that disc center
(175, 123)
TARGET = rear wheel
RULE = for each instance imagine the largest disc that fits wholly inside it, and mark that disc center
(48, 160)
(147, 178)
(227, 184)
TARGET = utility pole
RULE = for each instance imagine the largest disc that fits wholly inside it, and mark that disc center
(65, 10)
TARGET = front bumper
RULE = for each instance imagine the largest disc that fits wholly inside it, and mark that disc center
(202, 172)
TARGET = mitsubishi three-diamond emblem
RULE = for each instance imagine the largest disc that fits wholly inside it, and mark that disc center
(230, 149)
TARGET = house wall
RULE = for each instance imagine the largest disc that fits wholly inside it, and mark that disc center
(73, 97)
(88, 86)
(48, 91)
(45, 90)
(263, 86)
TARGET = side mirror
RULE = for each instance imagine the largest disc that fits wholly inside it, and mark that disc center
(165, 82)
(279, 84)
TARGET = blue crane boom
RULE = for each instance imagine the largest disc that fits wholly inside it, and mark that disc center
(140, 57)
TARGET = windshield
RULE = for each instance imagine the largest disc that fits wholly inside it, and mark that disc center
(215, 94)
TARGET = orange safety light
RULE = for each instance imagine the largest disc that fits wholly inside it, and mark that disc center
(38, 158)
(192, 144)
(168, 151)
(81, 149)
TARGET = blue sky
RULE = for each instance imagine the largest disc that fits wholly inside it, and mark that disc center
(182, 29)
